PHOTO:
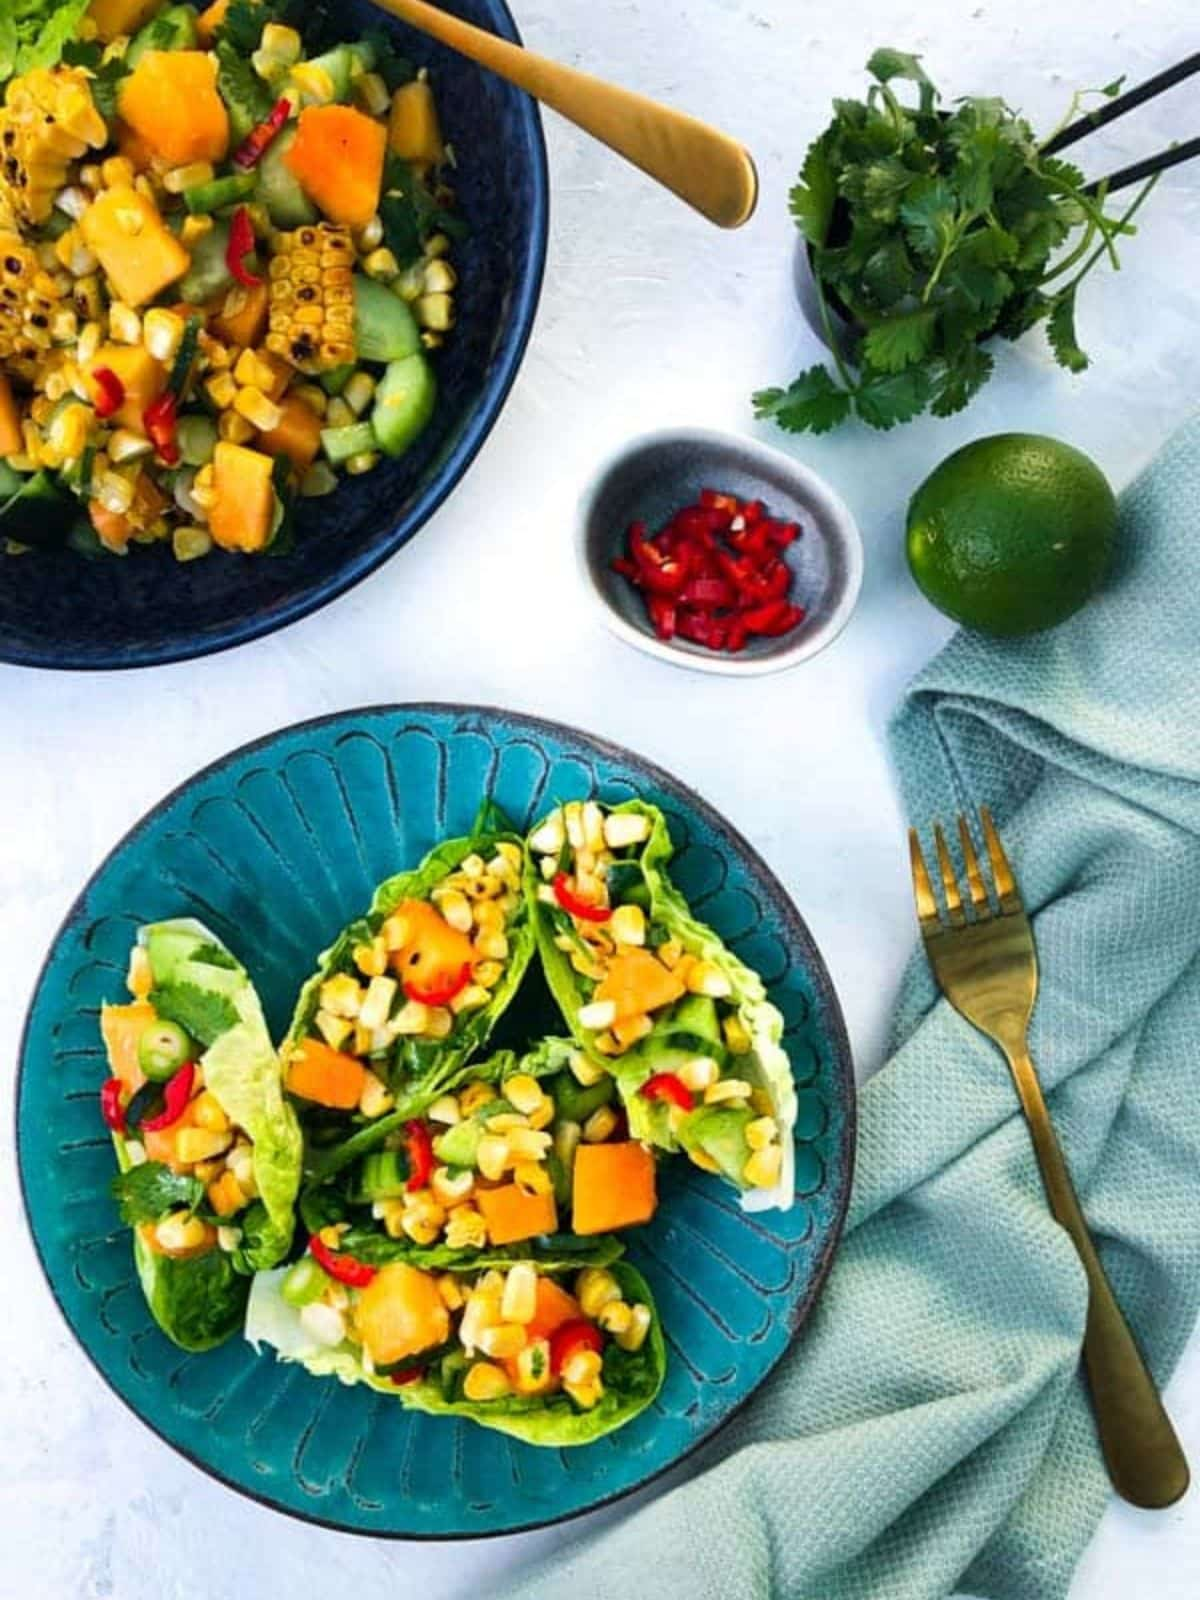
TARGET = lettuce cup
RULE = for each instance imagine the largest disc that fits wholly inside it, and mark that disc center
(411, 991)
(513, 1151)
(208, 1149)
(552, 1352)
(657, 1002)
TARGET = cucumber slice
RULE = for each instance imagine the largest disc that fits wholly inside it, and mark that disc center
(404, 403)
(384, 328)
(278, 187)
(340, 444)
(208, 274)
(172, 29)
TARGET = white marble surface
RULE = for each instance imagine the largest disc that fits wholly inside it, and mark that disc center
(648, 318)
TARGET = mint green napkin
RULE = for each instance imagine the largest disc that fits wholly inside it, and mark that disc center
(931, 1433)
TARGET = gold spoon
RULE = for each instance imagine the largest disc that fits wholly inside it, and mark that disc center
(708, 169)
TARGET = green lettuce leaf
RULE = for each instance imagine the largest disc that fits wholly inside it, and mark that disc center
(418, 1070)
(33, 33)
(631, 1379)
(688, 1028)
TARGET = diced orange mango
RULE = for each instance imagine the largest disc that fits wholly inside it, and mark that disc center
(318, 1073)
(140, 375)
(432, 953)
(337, 155)
(115, 17)
(512, 1214)
(637, 982)
(11, 441)
(613, 1186)
(137, 250)
(243, 512)
(297, 434)
(400, 1313)
(242, 318)
(170, 99)
(121, 1027)
(414, 133)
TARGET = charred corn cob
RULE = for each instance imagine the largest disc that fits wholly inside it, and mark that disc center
(47, 121)
(311, 322)
(27, 300)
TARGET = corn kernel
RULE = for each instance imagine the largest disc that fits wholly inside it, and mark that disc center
(581, 1368)
(189, 177)
(485, 1382)
(595, 1287)
(474, 1096)
(526, 1145)
(338, 414)
(200, 1144)
(548, 837)
(628, 925)
(737, 1036)
(444, 1110)
(623, 828)
(257, 409)
(601, 1125)
(381, 264)
(532, 1177)
(194, 229)
(423, 1225)
(492, 1157)
(699, 1074)
(504, 1341)
(704, 978)
(140, 978)
(455, 908)
(727, 1091)
(597, 1014)
(492, 946)
(702, 1159)
(466, 1229)
(180, 1232)
(763, 1168)
(341, 995)
(358, 392)
(439, 277)
(117, 172)
(365, 461)
(377, 1003)
(371, 93)
(451, 1188)
(523, 1092)
(221, 390)
(487, 973)
(282, 42)
(370, 235)
(518, 1303)
(311, 395)
(470, 998)
(450, 1290)
(374, 1099)
(371, 959)
(206, 1112)
(440, 1023)
(634, 1336)
(114, 493)
(534, 1372)
(125, 445)
(615, 1317)
(124, 324)
(761, 1132)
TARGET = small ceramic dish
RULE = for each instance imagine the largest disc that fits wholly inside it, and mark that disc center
(655, 475)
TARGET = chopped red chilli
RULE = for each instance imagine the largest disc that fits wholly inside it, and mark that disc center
(715, 574)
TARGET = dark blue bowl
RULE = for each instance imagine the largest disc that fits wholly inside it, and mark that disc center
(58, 609)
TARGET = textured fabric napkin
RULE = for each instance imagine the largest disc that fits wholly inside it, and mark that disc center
(930, 1434)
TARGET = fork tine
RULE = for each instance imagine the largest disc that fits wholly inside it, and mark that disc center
(927, 907)
(1006, 888)
(949, 879)
(979, 896)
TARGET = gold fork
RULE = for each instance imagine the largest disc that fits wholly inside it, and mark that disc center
(986, 967)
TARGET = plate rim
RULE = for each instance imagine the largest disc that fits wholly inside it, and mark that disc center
(826, 996)
(451, 473)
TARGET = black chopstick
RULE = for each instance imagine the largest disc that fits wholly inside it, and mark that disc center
(1158, 84)
(1148, 167)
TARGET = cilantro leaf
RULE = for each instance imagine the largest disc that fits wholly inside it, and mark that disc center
(392, 67)
(928, 214)
(878, 187)
(886, 64)
(409, 213)
(896, 342)
(200, 1012)
(243, 25)
(884, 399)
(105, 76)
(1060, 330)
(958, 380)
(887, 273)
(812, 404)
(148, 1192)
(811, 201)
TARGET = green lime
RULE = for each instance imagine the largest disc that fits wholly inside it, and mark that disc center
(1012, 533)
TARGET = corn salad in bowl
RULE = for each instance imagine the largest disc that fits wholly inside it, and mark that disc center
(224, 266)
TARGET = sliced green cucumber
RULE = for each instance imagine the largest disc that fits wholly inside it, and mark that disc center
(404, 403)
(279, 189)
(209, 274)
(172, 29)
(384, 328)
(339, 444)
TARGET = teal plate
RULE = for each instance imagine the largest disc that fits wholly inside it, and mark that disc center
(276, 847)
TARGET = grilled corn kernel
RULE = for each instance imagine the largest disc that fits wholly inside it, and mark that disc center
(455, 908)
(180, 1231)
(189, 177)
(451, 1188)
(444, 1110)
(234, 427)
(381, 263)
(47, 121)
(206, 1112)
(438, 277)
(162, 332)
(381, 992)
(601, 1125)
(581, 1367)
(114, 493)
(435, 312)
(704, 978)
(736, 1036)
(69, 430)
(699, 1074)
(525, 1144)
(411, 1019)
(333, 1029)
(240, 1162)
(371, 959)
(117, 172)
(124, 324)
(634, 1336)
(474, 1096)
(628, 925)
(518, 1303)
(423, 1224)
(370, 235)
(492, 1156)
(311, 298)
(523, 1092)
(503, 1341)
(338, 414)
(221, 390)
(702, 1159)
(342, 995)
(616, 1317)
(440, 1023)
(466, 1229)
(282, 42)
(470, 998)
(365, 461)
(374, 1099)
(763, 1168)
(595, 1287)
(201, 1144)
(450, 1290)
(493, 946)
(257, 409)
(319, 480)
(726, 1091)
(358, 392)
(314, 83)
(761, 1132)
(485, 1382)
(598, 1014)
(532, 1177)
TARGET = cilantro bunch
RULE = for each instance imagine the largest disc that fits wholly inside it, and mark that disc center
(930, 231)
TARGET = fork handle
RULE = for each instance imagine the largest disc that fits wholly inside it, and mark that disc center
(1144, 1457)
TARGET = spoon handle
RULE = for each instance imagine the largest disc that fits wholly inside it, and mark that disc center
(703, 166)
